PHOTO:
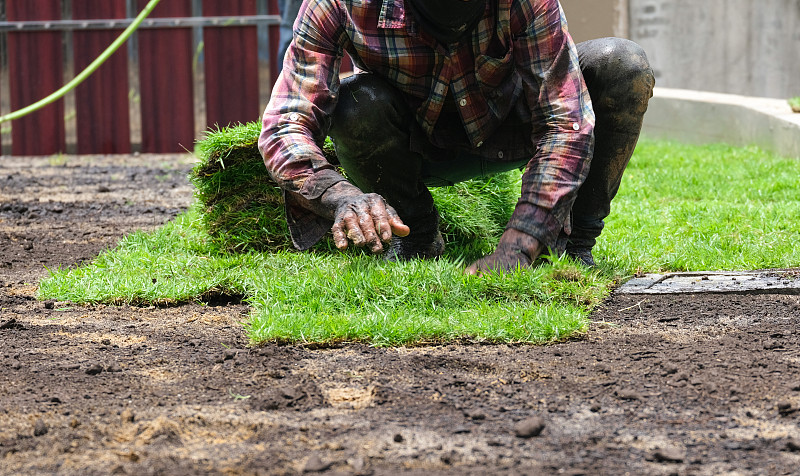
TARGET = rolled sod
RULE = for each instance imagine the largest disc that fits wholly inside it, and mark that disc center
(242, 207)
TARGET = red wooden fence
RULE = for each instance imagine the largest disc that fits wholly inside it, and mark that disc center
(35, 59)
(102, 100)
(167, 102)
(235, 84)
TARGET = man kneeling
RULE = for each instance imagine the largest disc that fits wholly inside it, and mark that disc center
(446, 91)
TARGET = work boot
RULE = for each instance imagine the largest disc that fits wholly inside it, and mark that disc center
(404, 248)
(582, 255)
(424, 242)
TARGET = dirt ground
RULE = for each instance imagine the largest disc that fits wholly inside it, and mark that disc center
(688, 384)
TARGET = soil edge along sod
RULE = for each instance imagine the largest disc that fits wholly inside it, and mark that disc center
(242, 207)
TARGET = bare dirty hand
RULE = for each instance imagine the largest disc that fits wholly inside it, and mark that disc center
(515, 249)
(363, 218)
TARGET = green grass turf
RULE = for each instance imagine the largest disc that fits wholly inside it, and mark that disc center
(679, 208)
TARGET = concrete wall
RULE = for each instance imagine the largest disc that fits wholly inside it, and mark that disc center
(589, 19)
(747, 47)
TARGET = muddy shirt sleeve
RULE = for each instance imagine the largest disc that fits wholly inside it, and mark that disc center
(297, 118)
(561, 111)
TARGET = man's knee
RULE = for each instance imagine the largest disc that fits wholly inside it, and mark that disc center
(617, 72)
(368, 109)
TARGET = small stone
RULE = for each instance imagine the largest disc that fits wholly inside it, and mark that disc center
(669, 455)
(358, 464)
(529, 427)
(127, 416)
(103, 189)
(670, 369)
(94, 369)
(595, 408)
(40, 428)
(398, 438)
(316, 465)
(629, 395)
(50, 304)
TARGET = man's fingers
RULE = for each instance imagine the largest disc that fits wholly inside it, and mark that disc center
(339, 235)
(367, 221)
(395, 223)
(472, 270)
(381, 214)
(497, 262)
(369, 233)
(354, 233)
(399, 228)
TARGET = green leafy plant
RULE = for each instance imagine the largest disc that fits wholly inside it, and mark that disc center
(795, 103)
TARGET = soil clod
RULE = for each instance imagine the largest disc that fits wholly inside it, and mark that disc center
(668, 455)
(40, 428)
(793, 445)
(94, 369)
(530, 427)
(315, 464)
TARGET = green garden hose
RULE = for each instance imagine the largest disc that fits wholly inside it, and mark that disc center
(86, 72)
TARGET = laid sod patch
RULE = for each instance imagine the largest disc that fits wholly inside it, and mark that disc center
(679, 208)
(322, 296)
(690, 208)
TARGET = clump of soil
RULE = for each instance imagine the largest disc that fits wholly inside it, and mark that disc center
(683, 384)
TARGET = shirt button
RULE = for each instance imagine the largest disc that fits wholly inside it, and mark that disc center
(576, 126)
(463, 102)
(294, 116)
(479, 144)
(500, 155)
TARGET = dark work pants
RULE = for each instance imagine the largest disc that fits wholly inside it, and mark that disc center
(372, 127)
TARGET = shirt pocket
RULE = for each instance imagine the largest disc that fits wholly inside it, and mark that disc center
(498, 81)
(491, 70)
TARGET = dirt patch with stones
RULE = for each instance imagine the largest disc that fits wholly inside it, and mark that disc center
(676, 384)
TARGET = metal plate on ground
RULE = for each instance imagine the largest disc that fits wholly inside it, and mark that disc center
(723, 282)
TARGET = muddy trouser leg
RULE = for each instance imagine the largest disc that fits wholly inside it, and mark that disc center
(371, 133)
(620, 83)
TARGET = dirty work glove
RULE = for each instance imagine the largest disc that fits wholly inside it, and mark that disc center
(363, 218)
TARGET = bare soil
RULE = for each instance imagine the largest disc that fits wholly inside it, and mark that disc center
(681, 384)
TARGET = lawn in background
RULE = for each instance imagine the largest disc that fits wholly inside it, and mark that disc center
(679, 208)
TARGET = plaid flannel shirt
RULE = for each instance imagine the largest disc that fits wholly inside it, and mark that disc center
(519, 60)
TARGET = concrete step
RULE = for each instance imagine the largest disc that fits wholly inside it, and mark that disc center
(774, 281)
